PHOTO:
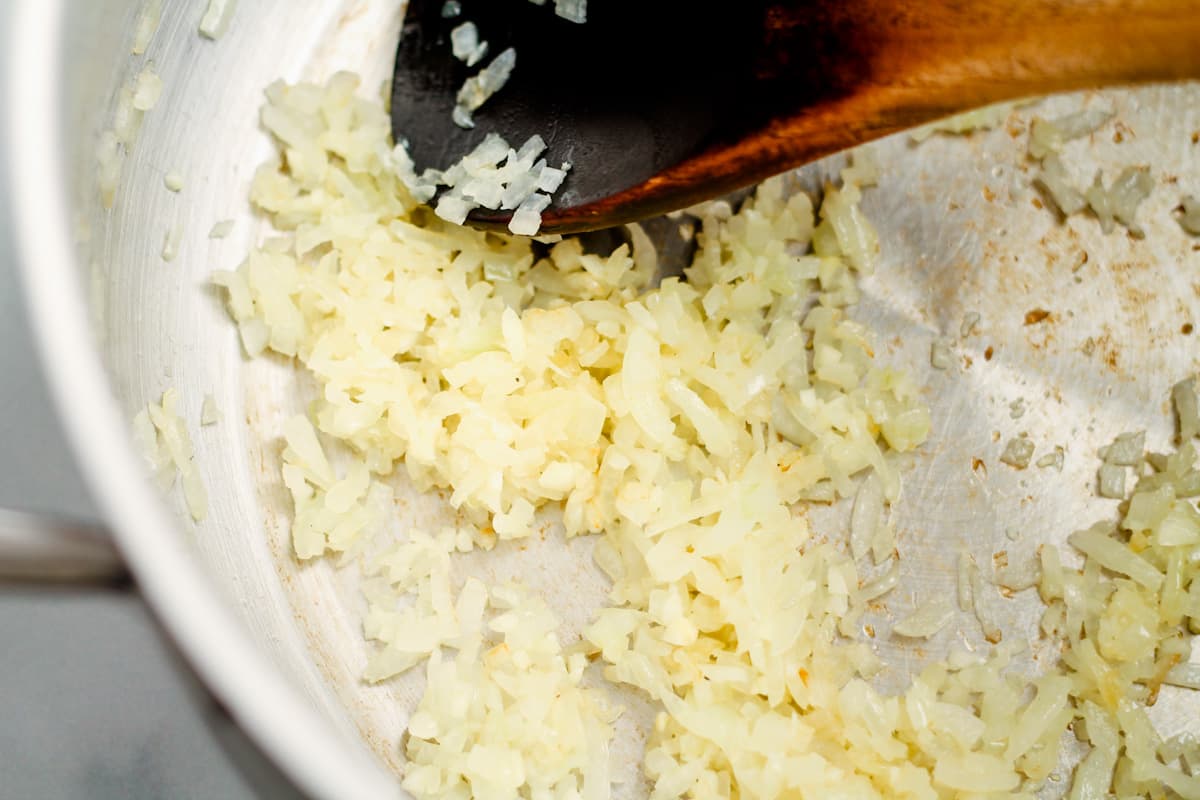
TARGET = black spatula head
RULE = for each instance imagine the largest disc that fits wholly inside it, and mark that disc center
(636, 89)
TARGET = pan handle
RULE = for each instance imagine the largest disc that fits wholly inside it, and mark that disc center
(40, 548)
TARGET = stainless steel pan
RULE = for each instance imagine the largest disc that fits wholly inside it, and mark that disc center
(961, 228)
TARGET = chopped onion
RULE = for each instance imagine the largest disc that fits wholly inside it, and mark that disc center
(109, 157)
(1048, 136)
(966, 600)
(866, 517)
(1019, 576)
(881, 585)
(927, 619)
(216, 18)
(1111, 481)
(147, 89)
(1120, 201)
(1183, 396)
(983, 614)
(209, 414)
(490, 176)
(1018, 452)
(527, 219)
(1189, 218)
(572, 10)
(684, 422)
(466, 45)
(883, 545)
(1185, 675)
(479, 88)
(940, 355)
(1054, 179)
(1095, 543)
(1055, 459)
(147, 24)
(967, 122)
(171, 240)
(970, 322)
(168, 447)
(600, 368)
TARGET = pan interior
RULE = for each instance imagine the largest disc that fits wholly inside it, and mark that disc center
(962, 232)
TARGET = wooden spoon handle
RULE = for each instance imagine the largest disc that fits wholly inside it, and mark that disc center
(832, 74)
(911, 62)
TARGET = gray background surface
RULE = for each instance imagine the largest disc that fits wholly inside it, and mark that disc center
(94, 702)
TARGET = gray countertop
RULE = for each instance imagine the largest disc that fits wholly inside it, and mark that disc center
(94, 701)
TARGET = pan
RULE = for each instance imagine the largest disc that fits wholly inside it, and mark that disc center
(1077, 336)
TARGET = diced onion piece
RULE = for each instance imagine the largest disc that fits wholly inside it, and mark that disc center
(1185, 675)
(1018, 452)
(572, 10)
(109, 157)
(970, 322)
(1189, 219)
(1093, 776)
(883, 545)
(1147, 508)
(527, 219)
(975, 772)
(466, 45)
(171, 241)
(147, 24)
(1120, 201)
(1112, 555)
(209, 414)
(147, 89)
(491, 79)
(1051, 700)
(194, 494)
(1111, 481)
(967, 122)
(1183, 396)
(927, 619)
(1081, 123)
(881, 585)
(866, 517)
(1180, 526)
(983, 612)
(1019, 575)
(1049, 136)
(216, 18)
(966, 600)
(940, 355)
(1057, 183)
(1055, 459)
(164, 438)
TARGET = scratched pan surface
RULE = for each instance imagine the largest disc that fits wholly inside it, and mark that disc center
(961, 231)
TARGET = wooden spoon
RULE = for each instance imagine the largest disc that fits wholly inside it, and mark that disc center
(659, 104)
